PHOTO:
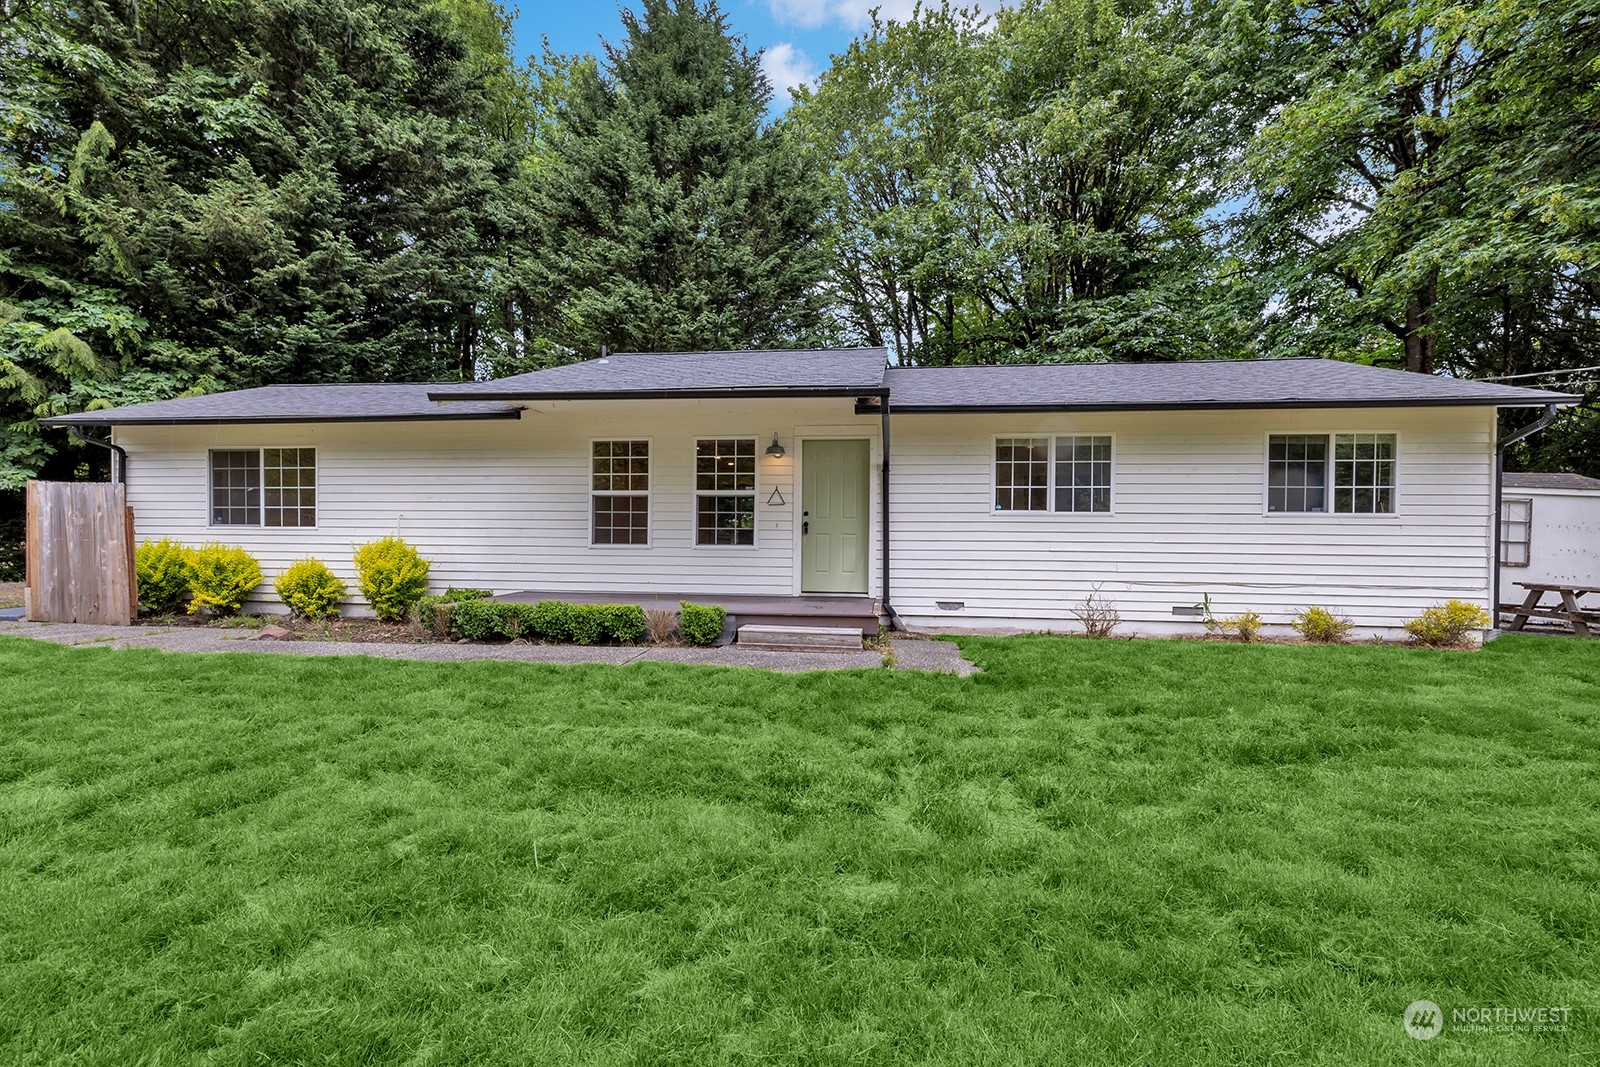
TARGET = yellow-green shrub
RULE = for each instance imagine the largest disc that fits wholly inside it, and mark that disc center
(310, 589)
(1246, 627)
(222, 578)
(392, 577)
(163, 570)
(1447, 626)
(1322, 626)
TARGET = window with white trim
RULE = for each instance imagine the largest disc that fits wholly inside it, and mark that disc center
(619, 493)
(1070, 473)
(1516, 531)
(1343, 473)
(263, 487)
(1083, 473)
(725, 491)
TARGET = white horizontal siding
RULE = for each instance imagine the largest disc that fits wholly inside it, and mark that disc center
(505, 504)
(1188, 520)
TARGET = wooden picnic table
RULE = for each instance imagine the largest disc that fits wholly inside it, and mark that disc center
(1580, 616)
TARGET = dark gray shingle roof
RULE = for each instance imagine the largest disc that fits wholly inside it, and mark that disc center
(395, 402)
(1257, 383)
(842, 372)
(1532, 480)
(786, 372)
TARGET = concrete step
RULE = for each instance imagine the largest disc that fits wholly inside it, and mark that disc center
(800, 638)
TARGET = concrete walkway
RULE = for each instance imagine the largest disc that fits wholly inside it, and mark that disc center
(908, 653)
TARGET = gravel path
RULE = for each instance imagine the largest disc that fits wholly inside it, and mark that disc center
(909, 654)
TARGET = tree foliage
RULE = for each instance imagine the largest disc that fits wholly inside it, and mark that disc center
(669, 217)
(1031, 186)
(223, 193)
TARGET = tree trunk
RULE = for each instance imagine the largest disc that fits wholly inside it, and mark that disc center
(1419, 329)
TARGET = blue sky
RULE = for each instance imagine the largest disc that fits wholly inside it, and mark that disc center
(797, 36)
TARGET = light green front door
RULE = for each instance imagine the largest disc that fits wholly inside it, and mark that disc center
(835, 539)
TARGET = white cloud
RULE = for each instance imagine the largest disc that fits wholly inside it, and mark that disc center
(852, 14)
(787, 67)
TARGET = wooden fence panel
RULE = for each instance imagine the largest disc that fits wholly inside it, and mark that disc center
(80, 553)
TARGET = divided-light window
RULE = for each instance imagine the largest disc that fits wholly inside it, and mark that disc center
(725, 491)
(619, 491)
(264, 487)
(1343, 473)
(1069, 473)
(1516, 531)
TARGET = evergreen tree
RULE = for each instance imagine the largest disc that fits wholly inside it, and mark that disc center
(670, 217)
(208, 194)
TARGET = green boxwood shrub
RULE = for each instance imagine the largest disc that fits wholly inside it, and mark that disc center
(392, 576)
(701, 624)
(485, 620)
(588, 622)
(310, 589)
(433, 612)
(552, 620)
(1447, 626)
(625, 623)
(222, 578)
(163, 570)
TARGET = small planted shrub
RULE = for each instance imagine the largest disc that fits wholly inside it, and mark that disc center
(1098, 616)
(1322, 626)
(457, 594)
(701, 624)
(552, 620)
(486, 620)
(1245, 627)
(1447, 626)
(433, 613)
(662, 625)
(222, 578)
(163, 570)
(310, 589)
(392, 577)
(589, 623)
(625, 623)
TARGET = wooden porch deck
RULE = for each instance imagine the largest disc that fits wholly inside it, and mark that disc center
(746, 609)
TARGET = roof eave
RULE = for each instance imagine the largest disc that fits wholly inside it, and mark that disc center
(668, 394)
(905, 408)
(241, 420)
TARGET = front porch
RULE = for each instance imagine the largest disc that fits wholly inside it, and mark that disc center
(744, 609)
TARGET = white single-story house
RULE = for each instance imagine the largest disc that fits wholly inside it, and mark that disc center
(832, 483)
(1550, 532)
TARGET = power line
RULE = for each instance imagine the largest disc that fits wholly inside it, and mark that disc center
(1538, 374)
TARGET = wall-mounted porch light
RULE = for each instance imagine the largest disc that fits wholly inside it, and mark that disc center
(775, 450)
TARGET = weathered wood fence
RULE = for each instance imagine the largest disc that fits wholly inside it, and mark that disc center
(80, 553)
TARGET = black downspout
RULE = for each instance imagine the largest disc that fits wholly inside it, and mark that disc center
(119, 468)
(1549, 416)
(883, 523)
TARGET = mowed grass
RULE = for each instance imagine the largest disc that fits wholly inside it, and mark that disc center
(1094, 852)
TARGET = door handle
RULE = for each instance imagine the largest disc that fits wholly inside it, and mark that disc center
(805, 527)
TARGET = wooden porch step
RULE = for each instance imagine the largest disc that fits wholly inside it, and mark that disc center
(800, 638)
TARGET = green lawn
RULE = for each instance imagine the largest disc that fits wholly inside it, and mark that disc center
(1095, 852)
